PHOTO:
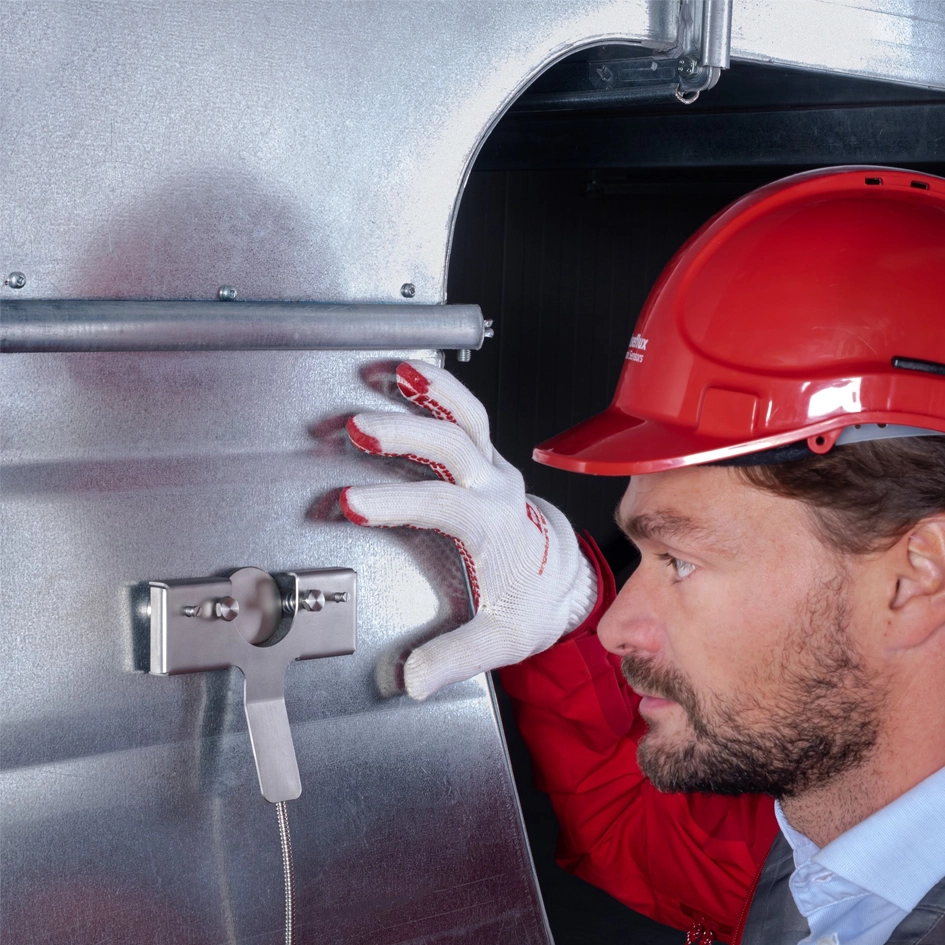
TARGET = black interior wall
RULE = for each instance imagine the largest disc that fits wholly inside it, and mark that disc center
(562, 261)
(565, 224)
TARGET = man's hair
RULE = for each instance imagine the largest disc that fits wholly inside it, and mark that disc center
(864, 496)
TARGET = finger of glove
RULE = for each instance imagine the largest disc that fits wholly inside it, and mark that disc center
(444, 447)
(460, 654)
(436, 390)
(433, 505)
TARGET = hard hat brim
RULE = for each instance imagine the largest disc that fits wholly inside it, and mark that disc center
(644, 446)
(614, 443)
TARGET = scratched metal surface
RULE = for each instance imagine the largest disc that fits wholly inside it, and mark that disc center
(295, 150)
(316, 150)
(896, 40)
(131, 810)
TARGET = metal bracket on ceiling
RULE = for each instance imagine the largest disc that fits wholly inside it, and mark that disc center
(692, 65)
(705, 41)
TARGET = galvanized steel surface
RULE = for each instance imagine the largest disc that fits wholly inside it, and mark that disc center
(316, 150)
(132, 812)
(289, 150)
(293, 150)
(898, 40)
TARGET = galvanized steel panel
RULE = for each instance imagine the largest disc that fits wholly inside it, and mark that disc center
(315, 150)
(131, 810)
(294, 150)
(897, 40)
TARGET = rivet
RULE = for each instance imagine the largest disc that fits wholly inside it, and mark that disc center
(408, 290)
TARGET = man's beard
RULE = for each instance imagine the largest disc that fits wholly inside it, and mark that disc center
(819, 719)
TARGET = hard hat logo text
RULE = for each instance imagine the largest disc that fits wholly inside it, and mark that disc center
(637, 344)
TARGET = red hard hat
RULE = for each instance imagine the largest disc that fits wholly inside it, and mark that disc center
(810, 305)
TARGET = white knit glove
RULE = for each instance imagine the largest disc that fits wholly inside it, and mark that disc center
(530, 581)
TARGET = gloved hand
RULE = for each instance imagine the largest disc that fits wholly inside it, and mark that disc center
(530, 581)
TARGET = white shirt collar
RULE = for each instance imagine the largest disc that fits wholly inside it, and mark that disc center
(898, 853)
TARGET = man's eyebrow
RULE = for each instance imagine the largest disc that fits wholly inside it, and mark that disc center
(664, 525)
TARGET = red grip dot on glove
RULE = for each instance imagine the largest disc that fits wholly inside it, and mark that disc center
(369, 444)
(349, 513)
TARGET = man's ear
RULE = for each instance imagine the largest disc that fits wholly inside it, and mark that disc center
(920, 588)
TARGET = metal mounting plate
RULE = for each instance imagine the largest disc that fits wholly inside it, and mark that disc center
(259, 623)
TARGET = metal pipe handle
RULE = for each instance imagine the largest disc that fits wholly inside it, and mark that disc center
(41, 325)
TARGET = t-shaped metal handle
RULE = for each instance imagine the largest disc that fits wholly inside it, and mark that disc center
(248, 621)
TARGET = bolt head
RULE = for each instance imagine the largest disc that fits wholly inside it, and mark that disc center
(16, 280)
(227, 608)
(312, 600)
(408, 290)
(226, 293)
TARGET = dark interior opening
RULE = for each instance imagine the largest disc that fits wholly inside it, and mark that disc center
(567, 220)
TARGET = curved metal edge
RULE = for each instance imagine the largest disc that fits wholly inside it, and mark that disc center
(74, 325)
(554, 57)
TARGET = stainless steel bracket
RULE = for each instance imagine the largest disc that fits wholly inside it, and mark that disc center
(693, 65)
(260, 623)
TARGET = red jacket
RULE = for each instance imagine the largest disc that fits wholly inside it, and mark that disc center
(682, 859)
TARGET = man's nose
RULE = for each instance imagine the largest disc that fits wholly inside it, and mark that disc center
(630, 624)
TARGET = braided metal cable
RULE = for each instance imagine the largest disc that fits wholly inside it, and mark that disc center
(285, 841)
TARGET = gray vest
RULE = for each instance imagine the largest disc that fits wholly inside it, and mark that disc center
(774, 920)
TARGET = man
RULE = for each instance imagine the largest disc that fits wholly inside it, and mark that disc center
(781, 412)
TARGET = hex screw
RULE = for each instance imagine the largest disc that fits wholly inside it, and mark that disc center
(408, 290)
(16, 280)
(312, 600)
(227, 608)
(226, 293)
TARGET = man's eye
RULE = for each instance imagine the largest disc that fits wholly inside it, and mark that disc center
(682, 568)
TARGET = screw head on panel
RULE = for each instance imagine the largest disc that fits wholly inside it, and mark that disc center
(408, 290)
(340, 597)
(312, 600)
(226, 293)
(227, 608)
(16, 280)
